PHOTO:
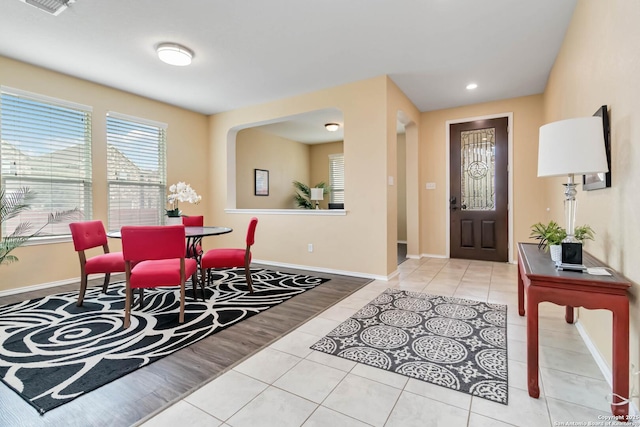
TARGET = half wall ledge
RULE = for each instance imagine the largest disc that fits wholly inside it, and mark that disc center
(316, 212)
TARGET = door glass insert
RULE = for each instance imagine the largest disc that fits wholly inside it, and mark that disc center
(477, 174)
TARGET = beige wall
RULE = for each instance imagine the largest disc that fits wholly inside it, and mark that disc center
(355, 242)
(187, 160)
(599, 64)
(286, 161)
(319, 160)
(528, 194)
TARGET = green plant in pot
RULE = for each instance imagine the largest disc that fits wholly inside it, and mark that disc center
(12, 204)
(303, 194)
(552, 234)
(547, 234)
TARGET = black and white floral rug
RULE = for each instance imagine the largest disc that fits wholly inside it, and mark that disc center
(451, 342)
(52, 351)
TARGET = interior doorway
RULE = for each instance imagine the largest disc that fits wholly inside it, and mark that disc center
(401, 155)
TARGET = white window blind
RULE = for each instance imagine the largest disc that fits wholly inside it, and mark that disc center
(136, 170)
(336, 177)
(46, 146)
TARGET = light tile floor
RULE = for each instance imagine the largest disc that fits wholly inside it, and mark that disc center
(288, 384)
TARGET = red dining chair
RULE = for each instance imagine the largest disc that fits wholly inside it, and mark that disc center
(226, 257)
(87, 235)
(194, 221)
(158, 252)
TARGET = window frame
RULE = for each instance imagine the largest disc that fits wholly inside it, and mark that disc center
(160, 186)
(334, 190)
(41, 111)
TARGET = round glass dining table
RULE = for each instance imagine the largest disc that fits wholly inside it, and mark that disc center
(194, 236)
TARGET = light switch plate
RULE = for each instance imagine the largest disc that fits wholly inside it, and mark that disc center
(431, 185)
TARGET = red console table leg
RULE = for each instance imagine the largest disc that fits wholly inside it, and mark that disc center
(520, 291)
(620, 358)
(532, 343)
(568, 314)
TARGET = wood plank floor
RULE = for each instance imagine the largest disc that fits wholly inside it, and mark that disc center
(131, 398)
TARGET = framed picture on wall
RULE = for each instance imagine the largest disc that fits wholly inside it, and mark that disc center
(261, 179)
(596, 181)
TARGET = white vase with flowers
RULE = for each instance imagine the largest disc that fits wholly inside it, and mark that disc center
(180, 192)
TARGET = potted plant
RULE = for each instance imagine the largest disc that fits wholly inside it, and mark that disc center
(180, 192)
(13, 204)
(551, 235)
(584, 232)
(303, 194)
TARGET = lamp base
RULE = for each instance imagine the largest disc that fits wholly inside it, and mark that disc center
(572, 267)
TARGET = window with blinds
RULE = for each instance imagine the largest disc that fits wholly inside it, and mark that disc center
(46, 146)
(136, 170)
(336, 177)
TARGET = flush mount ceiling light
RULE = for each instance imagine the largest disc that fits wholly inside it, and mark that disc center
(332, 127)
(472, 86)
(174, 54)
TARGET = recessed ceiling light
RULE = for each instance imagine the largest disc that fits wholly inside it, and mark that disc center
(174, 54)
(332, 127)
(471, 86)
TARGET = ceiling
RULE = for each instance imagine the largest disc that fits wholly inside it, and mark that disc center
(249, 52)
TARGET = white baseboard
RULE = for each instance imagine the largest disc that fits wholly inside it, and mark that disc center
(433, 256)
(602, 364)
(41, 286)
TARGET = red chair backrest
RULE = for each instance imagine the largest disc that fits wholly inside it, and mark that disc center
(193, 221)
(147, 242)
(88, 234)
(251, 231)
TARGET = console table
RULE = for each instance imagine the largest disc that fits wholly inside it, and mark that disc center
(539, 280)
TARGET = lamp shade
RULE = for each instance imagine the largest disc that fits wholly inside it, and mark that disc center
(573, 146)
(317, 194)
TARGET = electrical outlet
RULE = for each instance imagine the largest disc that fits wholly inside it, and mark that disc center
(310, 247)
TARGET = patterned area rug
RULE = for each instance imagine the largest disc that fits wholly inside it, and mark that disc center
(52, 351)
(452, 342)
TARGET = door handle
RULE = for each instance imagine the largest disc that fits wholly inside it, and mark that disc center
(452, 202)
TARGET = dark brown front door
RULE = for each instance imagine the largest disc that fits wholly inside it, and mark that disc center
(479, 190)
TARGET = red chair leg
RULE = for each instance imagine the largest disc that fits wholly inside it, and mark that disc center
(105, 285)
(182, 293)
(83, 288)
(194, 282)
(127, 307)
(247, 273)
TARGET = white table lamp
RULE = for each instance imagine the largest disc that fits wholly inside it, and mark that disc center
(317, 194)
(572, 147)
